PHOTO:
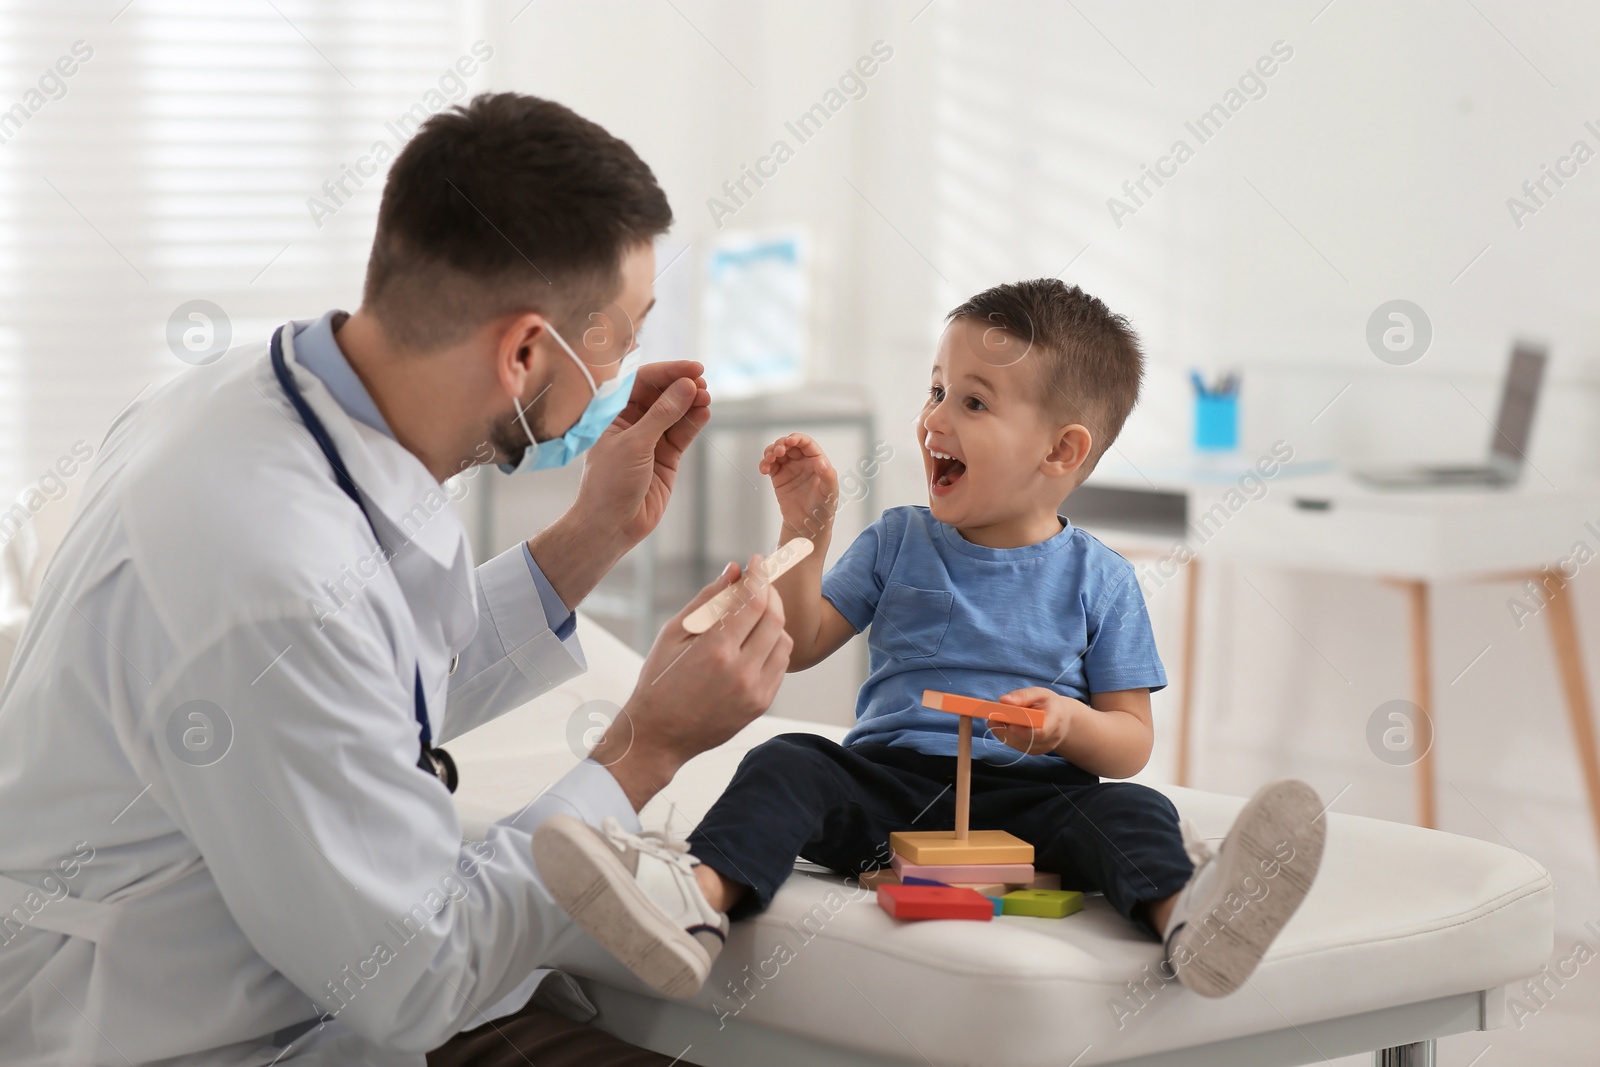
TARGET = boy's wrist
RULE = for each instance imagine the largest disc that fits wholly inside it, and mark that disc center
(819, 536)
(1072, 708)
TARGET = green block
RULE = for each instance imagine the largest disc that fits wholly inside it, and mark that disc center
(1042, 903)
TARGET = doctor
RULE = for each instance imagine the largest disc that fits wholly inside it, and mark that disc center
(225, 830)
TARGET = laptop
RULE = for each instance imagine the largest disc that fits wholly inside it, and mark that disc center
(1512, 431)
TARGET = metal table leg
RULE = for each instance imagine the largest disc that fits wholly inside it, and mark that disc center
(1416, 1054)
(700, 531)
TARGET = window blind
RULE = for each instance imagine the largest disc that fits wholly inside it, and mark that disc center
(184, 158)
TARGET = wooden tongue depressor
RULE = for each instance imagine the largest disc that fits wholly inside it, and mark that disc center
(771, 569)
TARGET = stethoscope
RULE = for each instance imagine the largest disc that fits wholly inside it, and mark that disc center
(435, 761)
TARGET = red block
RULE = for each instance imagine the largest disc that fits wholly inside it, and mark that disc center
(934, 902)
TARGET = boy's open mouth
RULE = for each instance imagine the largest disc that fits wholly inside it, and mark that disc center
(947, 471)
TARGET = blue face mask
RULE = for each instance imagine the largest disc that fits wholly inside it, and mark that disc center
(609, 399)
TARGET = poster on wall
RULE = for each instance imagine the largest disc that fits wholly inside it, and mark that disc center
(756, 312)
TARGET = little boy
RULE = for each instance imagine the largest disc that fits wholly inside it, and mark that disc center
(987, 593)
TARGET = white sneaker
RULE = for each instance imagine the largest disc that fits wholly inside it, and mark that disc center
(637, 896)
(1241, 896)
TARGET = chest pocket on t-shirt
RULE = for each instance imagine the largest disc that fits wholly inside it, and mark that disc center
(910, 622)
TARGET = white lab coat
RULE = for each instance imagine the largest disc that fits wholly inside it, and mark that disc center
(195, 909)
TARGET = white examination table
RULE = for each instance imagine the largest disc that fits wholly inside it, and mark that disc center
(1409, 935)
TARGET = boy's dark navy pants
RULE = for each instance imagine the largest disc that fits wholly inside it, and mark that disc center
(804, 795)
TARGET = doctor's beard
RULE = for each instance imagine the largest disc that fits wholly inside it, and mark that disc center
(508, 437)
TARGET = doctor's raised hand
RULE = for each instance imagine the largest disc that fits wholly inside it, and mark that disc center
(630, 471)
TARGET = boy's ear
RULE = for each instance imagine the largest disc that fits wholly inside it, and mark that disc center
(1070, 451)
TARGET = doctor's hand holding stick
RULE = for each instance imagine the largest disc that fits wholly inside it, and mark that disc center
(695, 691)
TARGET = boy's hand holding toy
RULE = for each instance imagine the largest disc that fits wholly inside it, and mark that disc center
(1059, 711)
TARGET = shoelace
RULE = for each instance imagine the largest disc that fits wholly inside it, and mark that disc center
(650, 842)
(1197, 848)
(1200, 853)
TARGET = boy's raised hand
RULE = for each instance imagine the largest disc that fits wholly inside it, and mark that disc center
(805, 482)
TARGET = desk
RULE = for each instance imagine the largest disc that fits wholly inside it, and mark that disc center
(1319, 519)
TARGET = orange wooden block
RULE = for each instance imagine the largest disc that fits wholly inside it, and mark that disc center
(992, 710)
(933, 848)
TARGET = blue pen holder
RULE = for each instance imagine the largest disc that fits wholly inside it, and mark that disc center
(1216, 421)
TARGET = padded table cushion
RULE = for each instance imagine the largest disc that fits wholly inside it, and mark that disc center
(1398, 915)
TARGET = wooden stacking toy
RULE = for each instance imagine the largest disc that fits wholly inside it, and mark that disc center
(991, 865)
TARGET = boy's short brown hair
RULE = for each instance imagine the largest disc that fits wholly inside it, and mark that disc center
(1090, 360)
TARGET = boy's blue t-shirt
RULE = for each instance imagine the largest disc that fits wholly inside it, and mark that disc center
(946, 614)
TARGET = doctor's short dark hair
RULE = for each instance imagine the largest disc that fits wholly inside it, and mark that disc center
(509, 203)
(1090, 362)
